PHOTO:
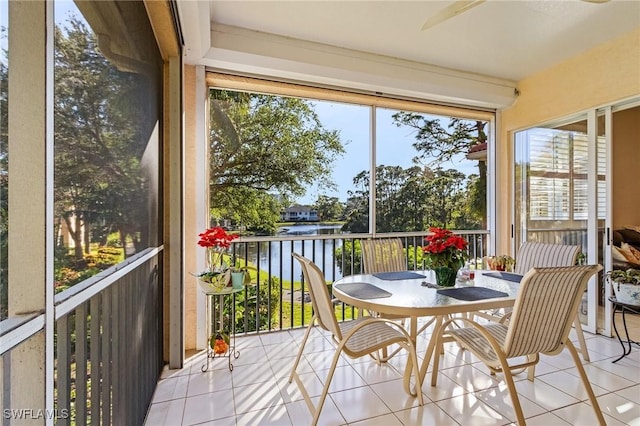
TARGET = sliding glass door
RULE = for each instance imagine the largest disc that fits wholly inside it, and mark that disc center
(560, 192)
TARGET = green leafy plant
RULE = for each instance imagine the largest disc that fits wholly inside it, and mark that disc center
(624, 276)
(241, 265)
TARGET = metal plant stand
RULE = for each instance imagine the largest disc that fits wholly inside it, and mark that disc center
(623, 308)
(231, 350)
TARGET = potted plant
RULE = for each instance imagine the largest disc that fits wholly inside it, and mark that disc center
(240, 273)
(445, 253)
(503, 262)
(626, 285)
(217, 275)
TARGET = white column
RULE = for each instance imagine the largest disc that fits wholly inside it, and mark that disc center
(31, 198)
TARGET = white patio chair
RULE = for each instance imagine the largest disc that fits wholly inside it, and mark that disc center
(385, 255)
(540, 322)
(354, 338)
(546, 255)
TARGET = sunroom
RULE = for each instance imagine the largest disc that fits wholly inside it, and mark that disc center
(112, 114)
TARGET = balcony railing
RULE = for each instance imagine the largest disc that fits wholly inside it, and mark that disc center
(109, 328)
(276, 300)
(109, 344)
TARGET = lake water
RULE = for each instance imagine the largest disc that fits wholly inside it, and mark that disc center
(269, 254)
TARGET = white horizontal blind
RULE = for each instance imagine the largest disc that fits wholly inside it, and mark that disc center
(602, 177)
(580, 170)
(558, 187)
(549, 167)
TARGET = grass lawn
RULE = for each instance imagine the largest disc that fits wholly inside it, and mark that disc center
(349, 313)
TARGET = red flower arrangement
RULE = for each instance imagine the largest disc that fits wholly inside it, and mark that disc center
(216, 237)
(444, 248)
(216, 240)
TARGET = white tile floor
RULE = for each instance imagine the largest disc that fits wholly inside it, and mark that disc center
(257, 392)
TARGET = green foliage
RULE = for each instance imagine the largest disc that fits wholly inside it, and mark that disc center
(624, 276)
(105, 257)
(67, 277)
(434, 141)
(114, 242)
(256, 210)
(264, 150)
(416, 258)
(329, 208)
(348, 258)
(68, 270)
(412, 199)
(357, 213)
(256, 306)
(103, 119)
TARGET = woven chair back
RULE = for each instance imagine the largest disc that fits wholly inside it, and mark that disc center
(383, 255)
(545, 308)
(544, 255)
(320, 298)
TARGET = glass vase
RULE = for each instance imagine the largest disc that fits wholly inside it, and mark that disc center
(213, 259)
(445, 276)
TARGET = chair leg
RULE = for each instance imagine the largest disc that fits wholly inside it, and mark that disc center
(583, 345)
(383, 354)
(436, 356)
(416, 372)
(585, 382)
(304, 342)
(508, 377)
(531, 371)
(325, 389)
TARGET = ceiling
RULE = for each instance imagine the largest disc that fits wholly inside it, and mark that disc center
(501, 40)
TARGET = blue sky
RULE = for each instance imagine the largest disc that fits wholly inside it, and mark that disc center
(393, 145)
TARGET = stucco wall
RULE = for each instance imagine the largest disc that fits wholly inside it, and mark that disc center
(601, 76)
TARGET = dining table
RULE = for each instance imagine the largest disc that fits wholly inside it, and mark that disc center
(414, 294)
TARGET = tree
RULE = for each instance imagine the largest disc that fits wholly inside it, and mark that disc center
(266, 144)
(257, 210)
(357, 209)
(446, 189)
(101, 125)
(412, 199)
(439, 145)
(329, 208)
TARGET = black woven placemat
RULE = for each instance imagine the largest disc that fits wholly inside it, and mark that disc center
(363, 291)
(472, 293)
(516, 278)
(402, 275)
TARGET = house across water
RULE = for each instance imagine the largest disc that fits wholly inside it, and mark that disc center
(299, 213)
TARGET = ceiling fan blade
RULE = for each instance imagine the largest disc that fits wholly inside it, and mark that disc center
(450, 11)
